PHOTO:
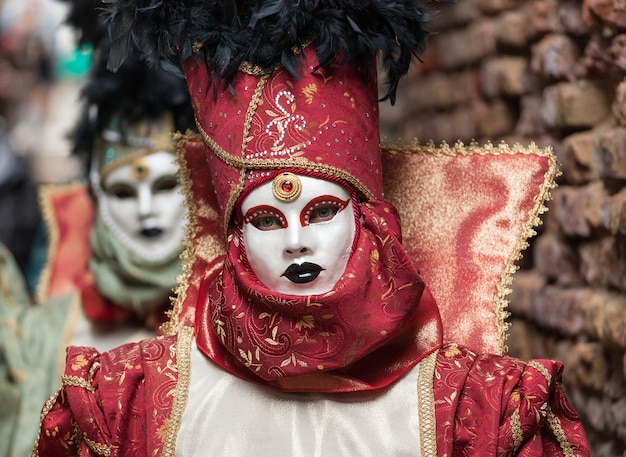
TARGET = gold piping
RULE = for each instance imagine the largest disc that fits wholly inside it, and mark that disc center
(188, 255)
(426, 406)
(555, 426)
(183, 364)
(516, 430)
(98, 448)
(541, 369)
(44, 412)
(76, 381)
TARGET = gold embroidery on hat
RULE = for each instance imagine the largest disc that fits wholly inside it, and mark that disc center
(286, 187)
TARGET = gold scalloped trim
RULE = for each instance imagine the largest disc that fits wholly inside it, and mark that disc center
(534, 216)
(426, 405)
(183, 364)
(52, 230)
(187, 256)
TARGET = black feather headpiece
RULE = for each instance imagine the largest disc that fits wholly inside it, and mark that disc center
(266, 32)
(87, 18)
(136, 92)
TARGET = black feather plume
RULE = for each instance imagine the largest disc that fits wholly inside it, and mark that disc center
(264, 32)
(136, 92)
(88, 18)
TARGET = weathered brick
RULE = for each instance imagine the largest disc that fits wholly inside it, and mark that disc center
(618, 413)
(580, 104)
(588, 366)
(561, 309)
(441, 91)
(544, 17)
(491, 7)
(556, 259)
(459, 124)
(595, 273)
(617, 51)
(511, 28)
(609, 11)
(568, 204)
(526, 283)
(493, 118)
(577, 157)
(455, 14)
(603, 262)
(596, 59)
(554, 56)
(605, 317)
(578, 209)
(609, 157)
(530, 122)
(570, 16)
(478, 42)
(619, 104)
(506, 76)
(613, 213)
(615, 388)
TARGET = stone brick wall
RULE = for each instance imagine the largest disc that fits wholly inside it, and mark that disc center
(552, 72)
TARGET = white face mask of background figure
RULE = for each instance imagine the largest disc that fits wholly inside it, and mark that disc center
(299, 247)
(145, 206)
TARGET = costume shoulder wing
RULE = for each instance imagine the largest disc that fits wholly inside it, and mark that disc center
(535, 418)
(122, 399)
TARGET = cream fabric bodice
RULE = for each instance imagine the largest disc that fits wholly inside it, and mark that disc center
(227, 416)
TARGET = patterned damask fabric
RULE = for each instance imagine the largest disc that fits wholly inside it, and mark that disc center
(118, 403)
(498, 405)
(128, 402)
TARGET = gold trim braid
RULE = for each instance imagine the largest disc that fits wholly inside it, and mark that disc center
(516, 430)
(426, 406)
(183, 364)
(170, 327)
(76, 381)
(555, 426)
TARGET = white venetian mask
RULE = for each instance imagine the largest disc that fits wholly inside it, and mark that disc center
(142, 204)
(299, 246)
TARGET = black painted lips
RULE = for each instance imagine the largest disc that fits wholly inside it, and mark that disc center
(301, 274)
(151, 232)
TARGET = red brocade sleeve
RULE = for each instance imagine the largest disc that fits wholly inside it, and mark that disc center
(489, 405)
(117, 403)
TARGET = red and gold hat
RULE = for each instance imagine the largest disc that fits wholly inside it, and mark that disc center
(321, 121)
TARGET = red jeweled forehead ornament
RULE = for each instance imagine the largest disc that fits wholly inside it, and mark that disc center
(286, 187)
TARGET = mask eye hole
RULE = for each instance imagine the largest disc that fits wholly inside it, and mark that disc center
(165, 184)
(121, 190)
(323, 214)
(322, 209)
(266, 218)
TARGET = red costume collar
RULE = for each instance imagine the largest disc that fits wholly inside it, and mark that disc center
(376, 324)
